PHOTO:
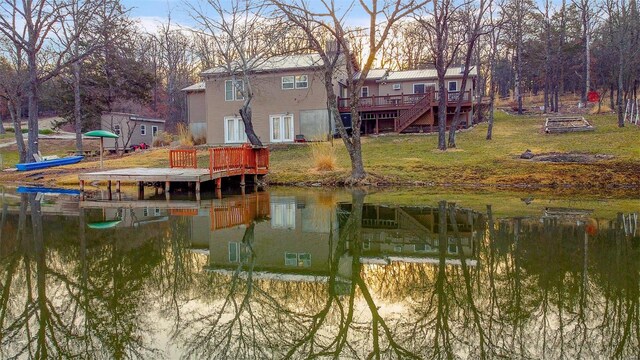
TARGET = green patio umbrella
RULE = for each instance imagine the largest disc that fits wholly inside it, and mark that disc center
(101, 134)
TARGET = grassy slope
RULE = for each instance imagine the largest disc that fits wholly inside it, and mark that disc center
(406, 159)
(412, 159)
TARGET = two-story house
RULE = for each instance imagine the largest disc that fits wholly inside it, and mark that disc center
(289, 99)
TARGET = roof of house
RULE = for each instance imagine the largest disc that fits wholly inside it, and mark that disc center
(426, 74)
(276, 63)
(134, 117)
(195, 87)
(373, 74)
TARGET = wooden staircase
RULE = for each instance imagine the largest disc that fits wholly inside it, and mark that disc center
(412, 114)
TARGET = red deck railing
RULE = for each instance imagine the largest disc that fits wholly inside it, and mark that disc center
(183, 159)
(403, 101)
(239, 212)
(239, 160)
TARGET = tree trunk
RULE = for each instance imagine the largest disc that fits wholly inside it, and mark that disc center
(442, 114)
(77, 106)
(620, 107)
(2, 130)
(245, 114)
(14, 112)
(32, 147)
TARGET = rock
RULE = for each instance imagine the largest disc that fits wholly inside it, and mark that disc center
(527, 155)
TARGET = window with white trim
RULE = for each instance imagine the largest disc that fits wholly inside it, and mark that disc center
(154, 131)
(281, 128)
(234, 130)
(233, 92)
(297, 259)
(288, 82)
(143, 130)
(364, 92)
(302, 81)
(234, 252)
(453, 86)
(283, 214)
(419, 88)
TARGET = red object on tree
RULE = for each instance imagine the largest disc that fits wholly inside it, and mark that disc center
(593, 96)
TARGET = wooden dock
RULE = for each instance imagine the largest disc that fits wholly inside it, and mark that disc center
(223, 162)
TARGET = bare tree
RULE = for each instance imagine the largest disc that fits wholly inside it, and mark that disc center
(494, 40)
(444, 48)
(474, 16)
(328, 23)
(34, 27)
(12, 85)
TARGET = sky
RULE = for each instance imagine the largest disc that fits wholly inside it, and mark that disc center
(150, 13)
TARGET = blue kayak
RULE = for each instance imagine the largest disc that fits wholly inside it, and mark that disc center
(46, 190)
(49, 163)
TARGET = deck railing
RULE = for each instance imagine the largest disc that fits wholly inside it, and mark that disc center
(183, 159)
(238, 159)
(372, 103)
(240, 212)
(235, 160)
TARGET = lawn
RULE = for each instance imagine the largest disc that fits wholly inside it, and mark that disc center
(406, 159)
(414, 160)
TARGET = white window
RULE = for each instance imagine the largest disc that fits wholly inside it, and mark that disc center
(364, 92)
(156, 211)
(281, 128)
(288, 82)
(419, 88)
(283, 214)
(234, 252)
(145, 211)
(154, 131)
(143, 130)
(234, 130)
(116, 129)
(304, 259)
(302, 81)
(233, 92)
(453, 86)
(290, 259)
(297, 259)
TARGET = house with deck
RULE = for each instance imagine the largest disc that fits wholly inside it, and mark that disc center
(407, 101)
(289, 101)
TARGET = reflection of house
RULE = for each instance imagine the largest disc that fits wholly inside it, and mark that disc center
(134, 217)
(294, 237)
(405, 232)
(132, 129)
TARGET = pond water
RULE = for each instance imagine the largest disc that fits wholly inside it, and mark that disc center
(293, 273)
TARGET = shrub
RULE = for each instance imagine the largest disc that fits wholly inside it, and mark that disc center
(162, 138)
(323, 156)
(603, 109)
(200, 138)
(46, 131)
(185, 137)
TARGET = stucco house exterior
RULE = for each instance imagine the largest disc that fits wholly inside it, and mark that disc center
(132, 128)
(289, 100)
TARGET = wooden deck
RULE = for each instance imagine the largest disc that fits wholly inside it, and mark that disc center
(224, 162)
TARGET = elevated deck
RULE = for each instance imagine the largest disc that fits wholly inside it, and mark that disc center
(223, 162)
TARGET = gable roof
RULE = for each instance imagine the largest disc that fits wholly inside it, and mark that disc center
(195, 87)
(373, 74)
(455, 71)
(276, 63)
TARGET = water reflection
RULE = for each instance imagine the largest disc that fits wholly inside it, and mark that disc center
(286, 274)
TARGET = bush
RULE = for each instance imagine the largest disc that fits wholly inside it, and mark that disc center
(185, 137)
(603, 109)
(323, 156)
(162, 138)
(46, 131)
